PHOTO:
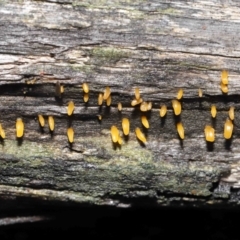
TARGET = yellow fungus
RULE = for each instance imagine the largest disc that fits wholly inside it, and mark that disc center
(62, 89)
(100, 99)
(163, 110)
(120, 140)
(85, 97)
(19, 127)
(145, 122)
(200, 93)
(119, 107)
(213, 111)
(231, 113)
(144, 106)
(70, 108)
(114, 133)
(149, 106)
(99, 117)
(107, 93)
(109, 100)
(137, 93)
(180, 130)
(224, 88)
(41, 120)
(51, 123)
(209, 134)
(228, 129)
(70, 134)
(125, 126)
(224, 77)
(136, 102)
(180, 94)
(85, 87)
(2, 132)
(176, 107)
(140, 135)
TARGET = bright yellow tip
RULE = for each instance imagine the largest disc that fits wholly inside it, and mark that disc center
(144, 106)
(231, 113)
(213, 111)
(176, 107)
(51, 123)
(109, 100)
(85, 87)
(209, 134)
(100, 99)
(41, 120)
(228, 129)
(224, 77)
(114, 133)
(180, 94)
(163, 110)
(140, 135)
(125, 126)
(180, 130)
(107, 93)
(70, 134)
(224, 88)
(70, 108)
(2, 132)
(19, 127)
(136, 102)
(145, 122)
(85, 97)
(119, 107)
(137, 93)
(200, 93)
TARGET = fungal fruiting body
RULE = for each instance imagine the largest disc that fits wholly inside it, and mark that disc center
(120, 140)
(62, 89)
(114, 133)
(163, 110)
(224, 77)
(224, 88)
(145, 122)
(85, 97)
(231, 113)
(213, 111)
(176, 107)
(85, 87)
(180, 130)
(125, 126)
(209, 134)
(228, 129)
(107, 93)
(136, 102)
(41, 120)
(119, 107)
(51, 123)
(109, 100)
(19, 127)
(200, 92)
(140, 135)
(2, 132)
(100, 99)
(144, 106)
(180, 94)
(70, 134)
(149, 106)
(137, 93)
(99, 117)
(70, 108)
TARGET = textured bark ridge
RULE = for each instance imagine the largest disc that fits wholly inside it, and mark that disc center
(158, 46)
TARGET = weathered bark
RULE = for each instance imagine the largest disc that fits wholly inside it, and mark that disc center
(158, 46)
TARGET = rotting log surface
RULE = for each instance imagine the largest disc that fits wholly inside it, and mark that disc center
(158, 46)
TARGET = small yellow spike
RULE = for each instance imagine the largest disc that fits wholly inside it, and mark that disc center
(51, 123)
(41, 120)
(125, 126)
(85, 97)
(144, 106)
(224, 88)
(70, 108)
(149, 106)
(145, 122)
(180, 130)
(136, 102)
(99, 117)
(140, 135)
(119, 107)
(180, 94)
(228, 129)
(85, 87)
(231, 113)
(62, 89)
(163, 110)
(19, 127)
(176, 107)
(137, 93)
(100, 99)
(2, 132)
(200, 93)
(209, 134)
(120, 140)
(109, 100)
(70, 134)
(213, 111)
(107, 93)
(224, 77)
(114, 133)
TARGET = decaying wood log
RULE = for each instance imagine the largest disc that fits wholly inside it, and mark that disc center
(158, 46)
